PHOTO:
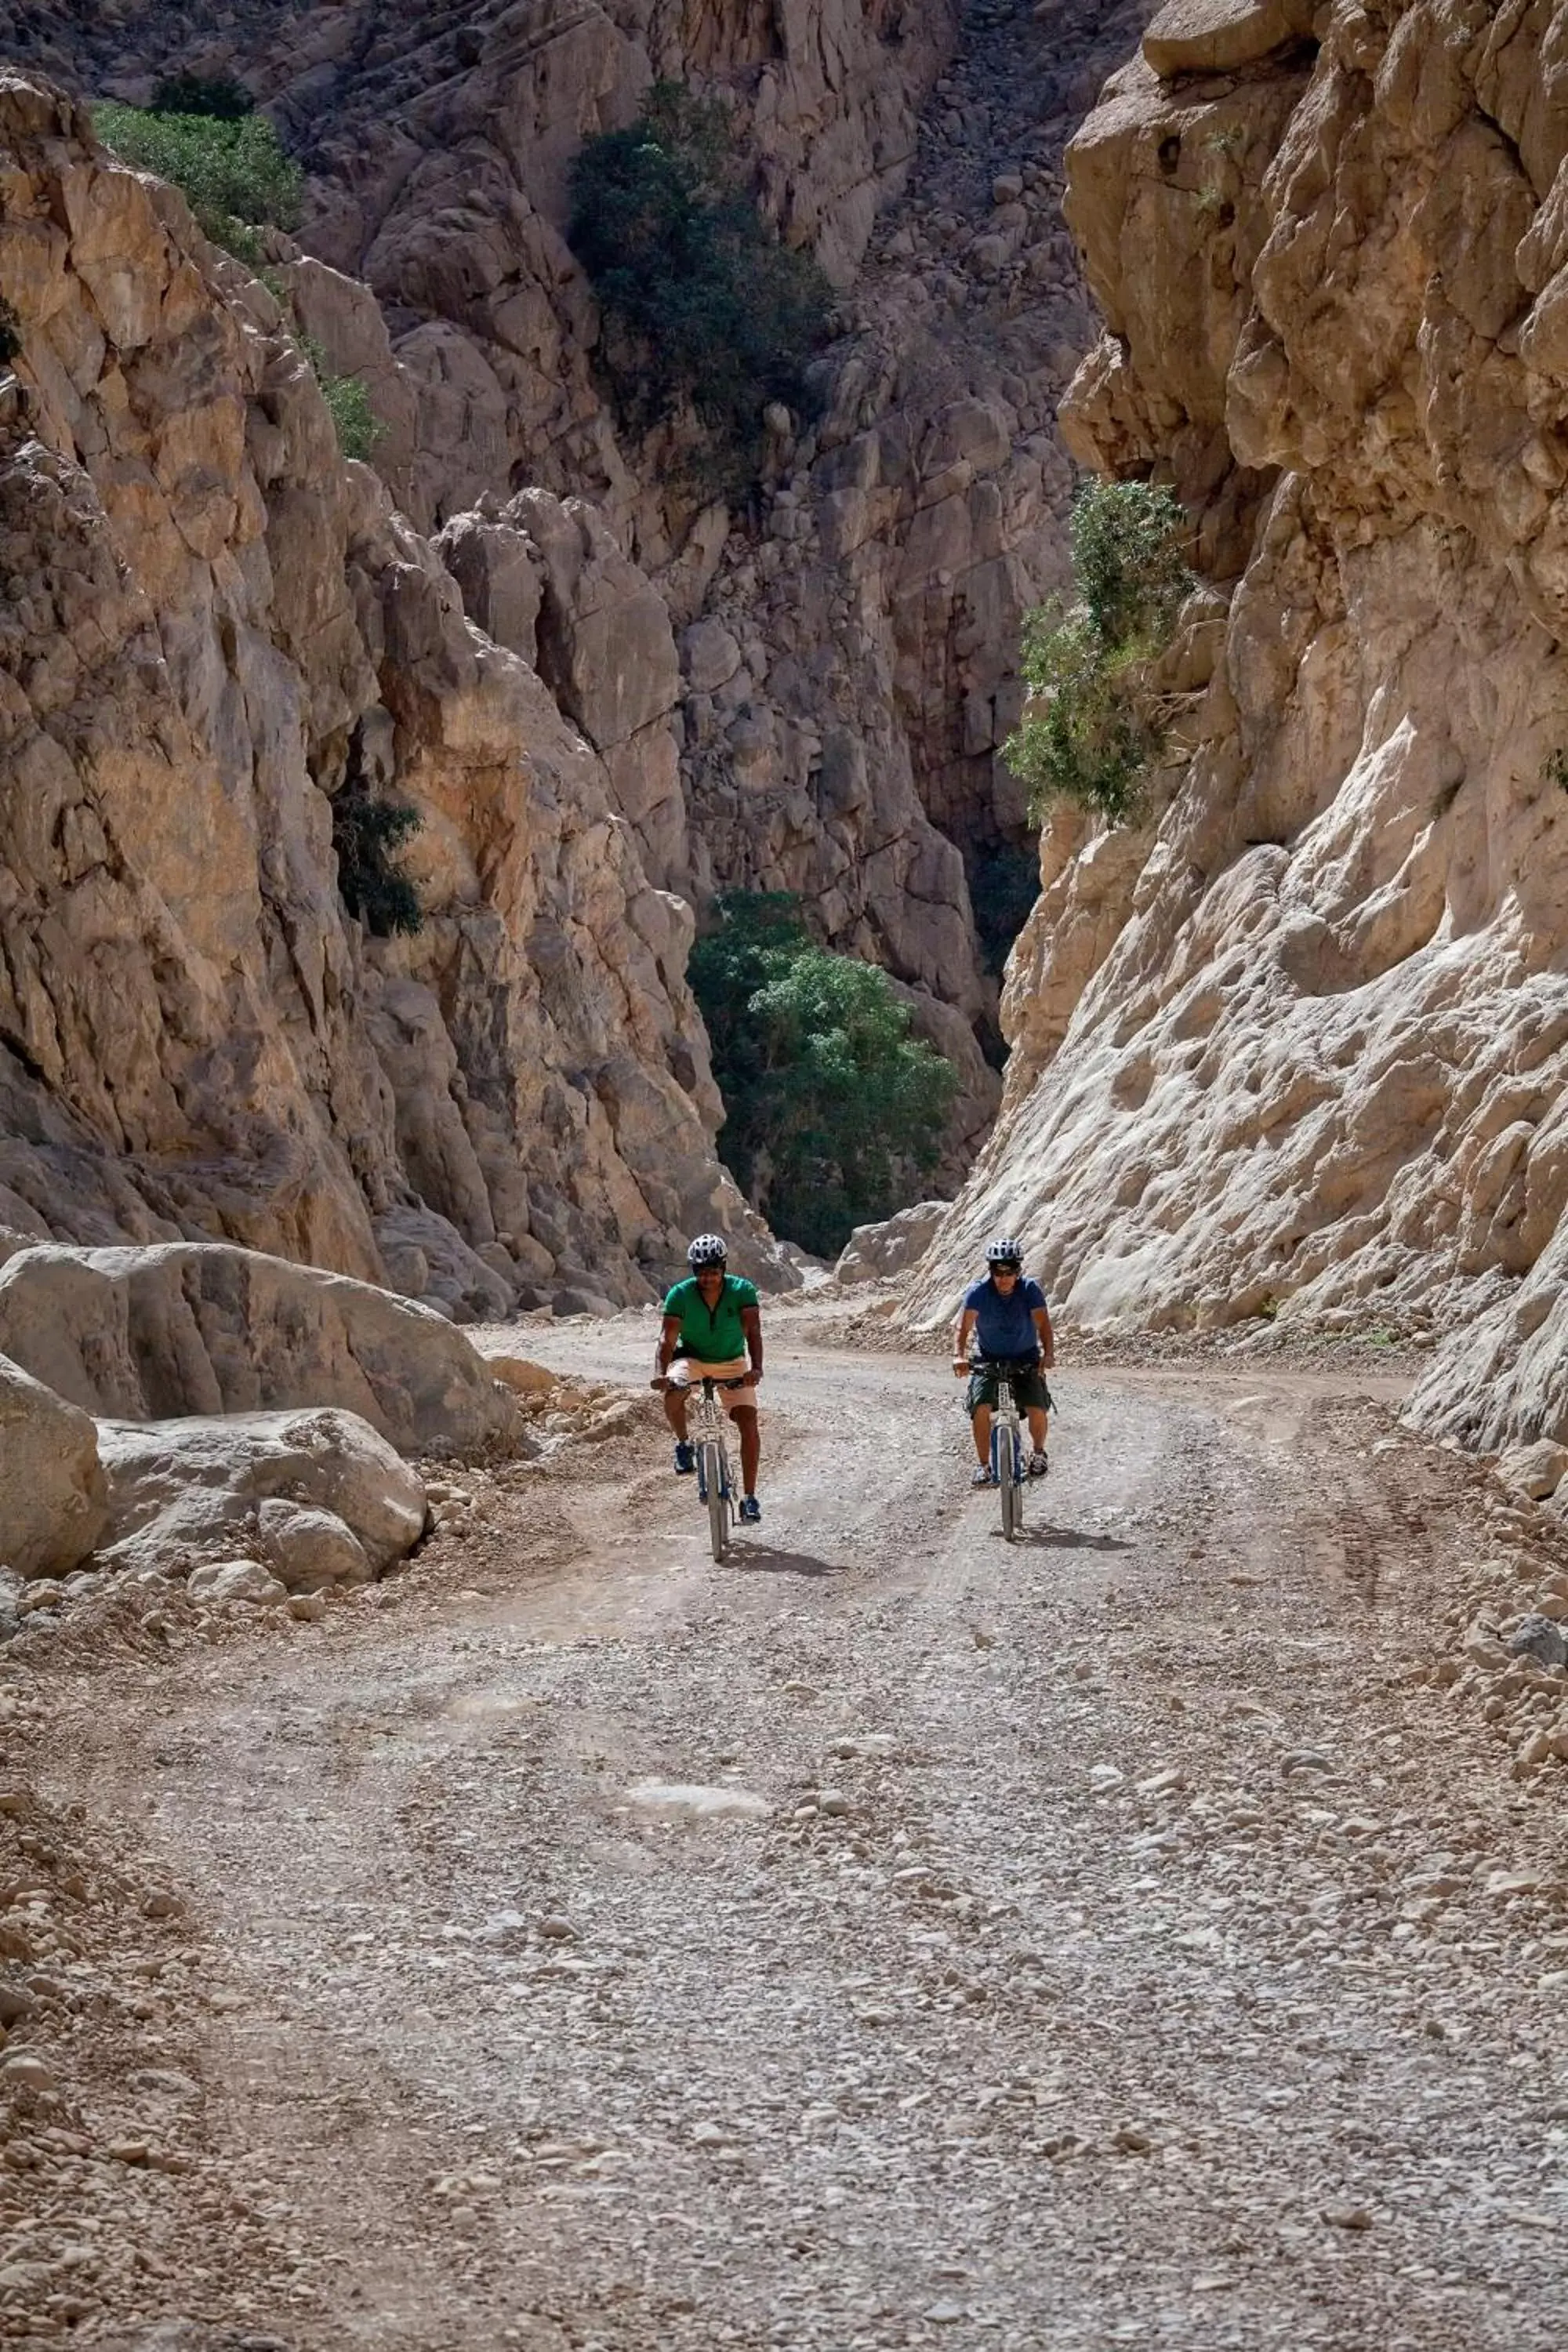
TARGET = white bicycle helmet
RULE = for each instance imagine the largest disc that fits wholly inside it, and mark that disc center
(708, 1249)
(1005, 1252)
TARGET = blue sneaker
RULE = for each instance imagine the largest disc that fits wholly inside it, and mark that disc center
(684, 1458)
(750, 1512)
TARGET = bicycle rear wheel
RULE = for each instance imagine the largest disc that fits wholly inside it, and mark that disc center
(718, 1485)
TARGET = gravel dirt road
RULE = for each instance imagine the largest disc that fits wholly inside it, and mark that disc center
(894, 1937)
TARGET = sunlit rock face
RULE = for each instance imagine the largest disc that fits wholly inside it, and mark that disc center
(1297, 1044)
(209, 626)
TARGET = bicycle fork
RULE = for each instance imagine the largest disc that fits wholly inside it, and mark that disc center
(702, 1453)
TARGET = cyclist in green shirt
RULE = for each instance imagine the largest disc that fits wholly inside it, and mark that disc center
(712, 1328)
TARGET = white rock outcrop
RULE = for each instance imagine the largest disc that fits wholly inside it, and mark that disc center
(1298, 1042)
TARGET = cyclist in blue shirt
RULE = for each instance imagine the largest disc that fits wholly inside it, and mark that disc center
(1007, 1322)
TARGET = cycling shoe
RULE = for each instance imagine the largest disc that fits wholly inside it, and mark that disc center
(982, 1476)
(1039, 1465)
(685, 1459)
(750, 1512)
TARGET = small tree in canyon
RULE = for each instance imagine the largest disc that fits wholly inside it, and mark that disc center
(229, 167)
(702, 306)
(367, 834)
(834, 1112)
(1095, 725)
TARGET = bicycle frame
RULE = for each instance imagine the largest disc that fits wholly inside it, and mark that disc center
(1007, 1447)
(706, 1419)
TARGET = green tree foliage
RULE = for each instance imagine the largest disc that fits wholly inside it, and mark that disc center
(359, 428)
(834, 1112)
(1094, 727)
(355, 422)
(702, 306)
(231, 170)
(367, 832)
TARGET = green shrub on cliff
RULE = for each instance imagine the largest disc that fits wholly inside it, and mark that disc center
(359, 428)
(230, 169)
(367, 834)
(1094, 726)
(701, 305)
(355, 422)
(834, 1112)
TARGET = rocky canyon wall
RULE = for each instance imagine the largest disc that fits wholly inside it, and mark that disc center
(210, 626)
(819, 708)
(1296, 1046)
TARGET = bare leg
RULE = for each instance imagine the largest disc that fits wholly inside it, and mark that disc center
(675, 1399)
(981, 1425)
(1037, 1428)
(745, 1421)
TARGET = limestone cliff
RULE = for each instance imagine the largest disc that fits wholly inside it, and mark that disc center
(820, 707)
(1297, 1045)
(209, 626)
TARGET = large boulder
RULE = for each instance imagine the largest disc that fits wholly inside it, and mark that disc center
(53, 1493)
(316, 1496)
(1211, 36)
(203, 1328)
(872, 1253)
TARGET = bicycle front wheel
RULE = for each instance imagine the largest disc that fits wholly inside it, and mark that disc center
(1004, 1470)
(718, 1485)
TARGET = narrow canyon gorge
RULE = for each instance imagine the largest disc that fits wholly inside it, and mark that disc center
(607, 698)
(457, 1884)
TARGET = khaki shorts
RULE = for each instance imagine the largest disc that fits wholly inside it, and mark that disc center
(686, 1369)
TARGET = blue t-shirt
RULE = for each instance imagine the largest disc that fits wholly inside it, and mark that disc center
(1005, 1327)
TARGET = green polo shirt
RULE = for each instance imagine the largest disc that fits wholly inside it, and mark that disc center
(714, 1338)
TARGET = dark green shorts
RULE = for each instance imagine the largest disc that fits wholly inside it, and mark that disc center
(1028, 1385)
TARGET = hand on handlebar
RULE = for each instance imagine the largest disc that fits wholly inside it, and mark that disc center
(961, 1365)
(659, 1381)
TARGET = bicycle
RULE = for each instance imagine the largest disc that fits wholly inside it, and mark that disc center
(1007, 1447)
(707, 1422)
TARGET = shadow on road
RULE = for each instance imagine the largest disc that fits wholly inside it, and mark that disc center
(787, 1563)
(1067, 1539)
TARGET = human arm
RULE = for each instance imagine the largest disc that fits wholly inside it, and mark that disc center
(752, 1325)
(961, 1339)
(1046, 1335)
(664, 1354)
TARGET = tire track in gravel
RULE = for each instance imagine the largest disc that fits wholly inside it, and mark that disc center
(1077, 1987)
